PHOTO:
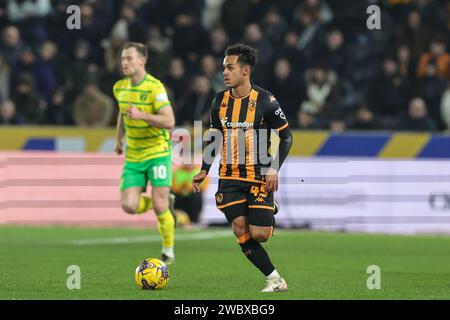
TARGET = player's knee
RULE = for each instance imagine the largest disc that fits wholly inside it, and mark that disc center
(260, 236)
(239, 228)
(160, 204)
(129, 207)
(239, 232)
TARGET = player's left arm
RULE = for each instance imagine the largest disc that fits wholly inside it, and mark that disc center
(208, 158)
(276, 120)
(162, 118)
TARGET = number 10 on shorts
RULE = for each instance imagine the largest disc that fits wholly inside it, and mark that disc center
(160, 172)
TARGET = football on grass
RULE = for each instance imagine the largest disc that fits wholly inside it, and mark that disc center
(152, 274)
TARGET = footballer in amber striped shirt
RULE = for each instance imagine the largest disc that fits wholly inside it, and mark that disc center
(243, 117)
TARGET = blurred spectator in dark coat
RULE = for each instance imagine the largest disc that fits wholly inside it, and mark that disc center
(50, 55)
(113, 51)
(417, 118)
(274, 25)
(254, 37)
(286, 87)
(208, 68)
(113, 69)
(350, 16)
(431, 88)
(167, 12)
(79, 70)
(190, 39)
(389, 93)
(234, 17)
(44, 78)
(29, 104)
(96, 18)
(413, 34)
(439, 56)
(159, 52)
(129, 26)
(290, 51)
(334, 54)
(8, 115)
(58, 111)
(177, 81)
(197, 104)
(11, 45)
(308, 26)
(430, 11)
(4, 79)
(218, 43)
(92, 107)
(104, 15)
(364, 119)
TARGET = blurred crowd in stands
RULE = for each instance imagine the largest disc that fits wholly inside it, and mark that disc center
(319, 59)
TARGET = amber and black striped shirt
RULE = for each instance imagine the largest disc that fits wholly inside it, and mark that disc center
(246, 124)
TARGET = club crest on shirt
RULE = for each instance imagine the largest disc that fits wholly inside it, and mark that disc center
(252, 105)
(219, 197)
(144, 96)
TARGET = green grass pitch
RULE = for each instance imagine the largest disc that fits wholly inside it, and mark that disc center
(210, 264)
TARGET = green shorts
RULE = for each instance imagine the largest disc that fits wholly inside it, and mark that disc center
(137, 174)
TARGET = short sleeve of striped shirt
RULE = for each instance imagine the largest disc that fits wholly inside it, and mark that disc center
(116, 85)
(160, 97)
(273, 113)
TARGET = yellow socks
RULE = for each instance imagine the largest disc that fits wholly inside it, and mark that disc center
(145, 204)
(166, 227)
(166, 224)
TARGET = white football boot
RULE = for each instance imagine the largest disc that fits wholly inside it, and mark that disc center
(275, 285)
(166, 259)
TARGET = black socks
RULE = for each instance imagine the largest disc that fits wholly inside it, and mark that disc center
(257, 255)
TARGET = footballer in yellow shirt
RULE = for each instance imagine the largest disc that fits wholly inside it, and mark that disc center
(145, 118)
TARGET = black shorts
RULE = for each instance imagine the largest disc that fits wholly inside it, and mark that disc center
(237, 198)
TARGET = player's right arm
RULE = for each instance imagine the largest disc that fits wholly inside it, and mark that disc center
(120, 131)
(209, 150)
(120, 127)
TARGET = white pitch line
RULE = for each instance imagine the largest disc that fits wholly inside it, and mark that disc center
(138, 239)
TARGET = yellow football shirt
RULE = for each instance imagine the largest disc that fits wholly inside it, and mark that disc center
(143, 142)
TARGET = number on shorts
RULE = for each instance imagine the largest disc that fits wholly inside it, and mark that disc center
(160, 172)
(255, 190)
(258, 190)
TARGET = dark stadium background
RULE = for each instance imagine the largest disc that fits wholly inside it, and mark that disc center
(371, 76)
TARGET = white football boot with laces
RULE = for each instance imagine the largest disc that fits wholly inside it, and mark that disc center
(275, 285)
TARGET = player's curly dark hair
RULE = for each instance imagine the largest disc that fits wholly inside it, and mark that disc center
(247, 55)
